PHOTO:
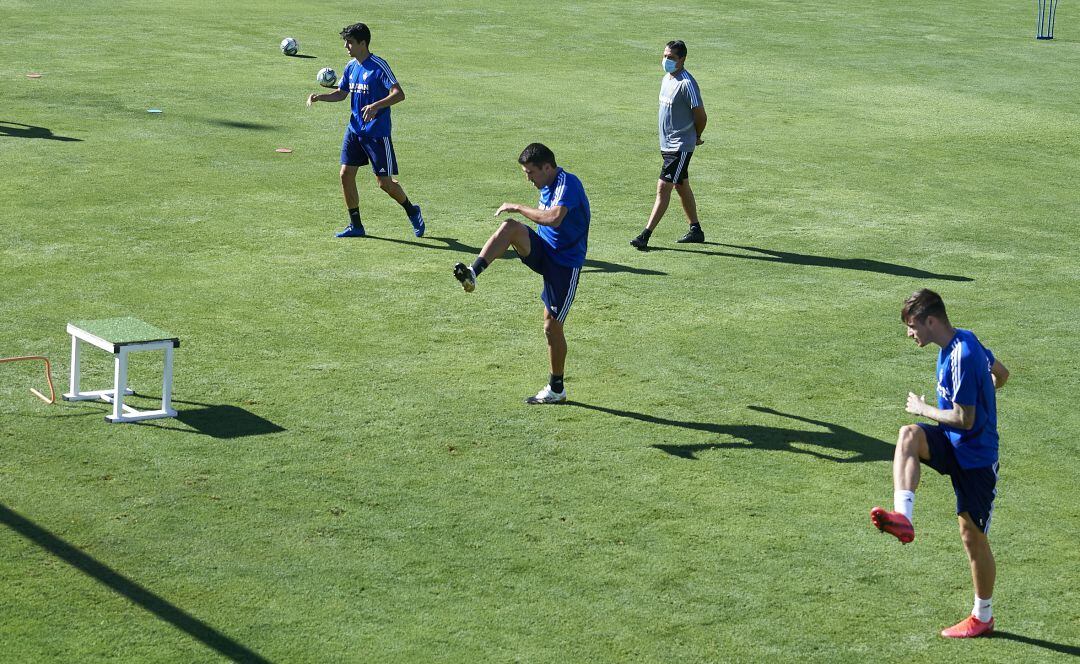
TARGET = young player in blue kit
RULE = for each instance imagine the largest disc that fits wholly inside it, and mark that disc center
(556, 250)
(963, 444)
(374, 90)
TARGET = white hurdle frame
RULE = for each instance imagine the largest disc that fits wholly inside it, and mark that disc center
(121, 412)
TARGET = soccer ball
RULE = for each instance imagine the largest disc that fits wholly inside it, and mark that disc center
(326, 77)
(289, 46)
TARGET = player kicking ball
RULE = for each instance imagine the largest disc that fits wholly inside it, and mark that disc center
(555, 250)
(963, 445)
(374, 90)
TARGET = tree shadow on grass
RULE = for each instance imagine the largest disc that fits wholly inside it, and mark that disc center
(125, 587)
(20, 130)
(852, 446)
(216, 420)
(452, 244)
(1049, 645)
(861, 264)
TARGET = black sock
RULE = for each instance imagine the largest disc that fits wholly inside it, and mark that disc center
(407, 205)
(646, 234)
(354, 217)
(695, 226)
(556, 383)
(478, 266)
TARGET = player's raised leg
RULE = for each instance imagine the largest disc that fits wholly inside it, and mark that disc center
(352, 202)
(911, 449)
(511, 233)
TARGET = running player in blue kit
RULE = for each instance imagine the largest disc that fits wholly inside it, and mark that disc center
(555, 250)
(374, 90)
(963, 444)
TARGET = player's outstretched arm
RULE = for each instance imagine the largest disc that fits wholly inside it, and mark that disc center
(999, 374)
(959, 417)
(336, 95)
(552, 216)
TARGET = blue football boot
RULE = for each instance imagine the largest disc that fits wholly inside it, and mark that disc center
(417, 221)
(352, 230)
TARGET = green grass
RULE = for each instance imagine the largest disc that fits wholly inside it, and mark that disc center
(399, 504)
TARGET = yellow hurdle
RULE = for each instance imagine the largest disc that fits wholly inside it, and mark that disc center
(48, 376)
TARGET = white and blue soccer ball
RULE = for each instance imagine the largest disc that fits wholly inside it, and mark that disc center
(289, 46)
(326, 77)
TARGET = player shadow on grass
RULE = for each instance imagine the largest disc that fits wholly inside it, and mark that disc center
(215, 420)
(852, 445)
(20, 130)
(1049, 645)
(237, 124)
(452, 244)
(862, 264)
(124, 586)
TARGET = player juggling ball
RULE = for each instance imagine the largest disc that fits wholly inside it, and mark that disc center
(374, 90)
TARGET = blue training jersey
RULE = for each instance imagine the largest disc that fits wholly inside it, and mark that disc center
(963, 370)
(571, 238)
(368, 81)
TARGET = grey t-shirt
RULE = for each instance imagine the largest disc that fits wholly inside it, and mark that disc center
(679, 95)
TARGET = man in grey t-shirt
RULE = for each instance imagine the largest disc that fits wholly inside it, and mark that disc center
(682, 119)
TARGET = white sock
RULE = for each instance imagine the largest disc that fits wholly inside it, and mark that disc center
(982, 609)
(904, 503)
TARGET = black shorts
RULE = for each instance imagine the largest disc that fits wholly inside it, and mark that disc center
(676, 169)
(975, 488)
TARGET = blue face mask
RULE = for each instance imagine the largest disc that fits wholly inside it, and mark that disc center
(670, 66)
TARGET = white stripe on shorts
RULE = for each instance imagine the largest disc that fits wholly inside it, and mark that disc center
(990, 516)
(569, 295)
(683, 156)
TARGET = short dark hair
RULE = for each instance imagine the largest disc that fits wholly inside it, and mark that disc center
(537, 154)
(922, 303)
(678, 47)
(358, 32)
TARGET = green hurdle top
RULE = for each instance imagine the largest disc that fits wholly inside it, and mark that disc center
(125, 331)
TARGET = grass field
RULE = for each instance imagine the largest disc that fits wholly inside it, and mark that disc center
(353, 476)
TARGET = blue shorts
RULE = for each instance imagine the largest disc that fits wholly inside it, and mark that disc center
(377, 151)
(560, 282)
(975, 488)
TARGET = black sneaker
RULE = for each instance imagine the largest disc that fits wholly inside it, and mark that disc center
(641, 242)
(464, 274)
(694, 235)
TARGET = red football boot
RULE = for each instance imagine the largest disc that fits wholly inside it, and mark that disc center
(894, 523)
(969, 628)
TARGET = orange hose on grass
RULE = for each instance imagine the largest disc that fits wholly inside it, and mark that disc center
(48, 375)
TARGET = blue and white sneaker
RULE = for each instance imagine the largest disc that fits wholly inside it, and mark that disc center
(352, 230)
(417, 221)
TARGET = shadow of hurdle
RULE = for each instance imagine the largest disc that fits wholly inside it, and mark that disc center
(217, 420)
